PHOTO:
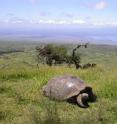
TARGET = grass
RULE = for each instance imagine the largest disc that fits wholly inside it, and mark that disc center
(22, 101)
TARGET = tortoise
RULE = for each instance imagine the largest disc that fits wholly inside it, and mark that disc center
(71, 89)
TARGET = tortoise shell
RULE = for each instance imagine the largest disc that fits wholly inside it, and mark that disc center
(64, 87)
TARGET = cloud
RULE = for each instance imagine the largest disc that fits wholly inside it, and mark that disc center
(97, 23)
(52, 21)
(43, 14)
(10, 14)
(74, 22)
(103, 23)
(77, 21)
(88, 20)
(99, 5)
(5, 21)
(47, 21)
(67, 15)
(14, 20)
(33, 1)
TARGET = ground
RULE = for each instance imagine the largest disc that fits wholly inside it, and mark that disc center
(21, 82)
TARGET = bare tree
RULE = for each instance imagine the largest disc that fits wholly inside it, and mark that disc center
(76, 58)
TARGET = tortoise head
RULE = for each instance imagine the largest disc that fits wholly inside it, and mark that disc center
(86, 96)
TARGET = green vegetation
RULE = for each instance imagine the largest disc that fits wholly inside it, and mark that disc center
(49, 53)
(21, 82)
(52, 54)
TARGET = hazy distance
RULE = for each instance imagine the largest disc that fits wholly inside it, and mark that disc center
(60, 33)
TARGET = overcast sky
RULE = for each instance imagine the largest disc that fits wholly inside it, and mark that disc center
(80, 12)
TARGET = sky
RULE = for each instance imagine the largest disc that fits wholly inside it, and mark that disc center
(60, 12)
(59, 19)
